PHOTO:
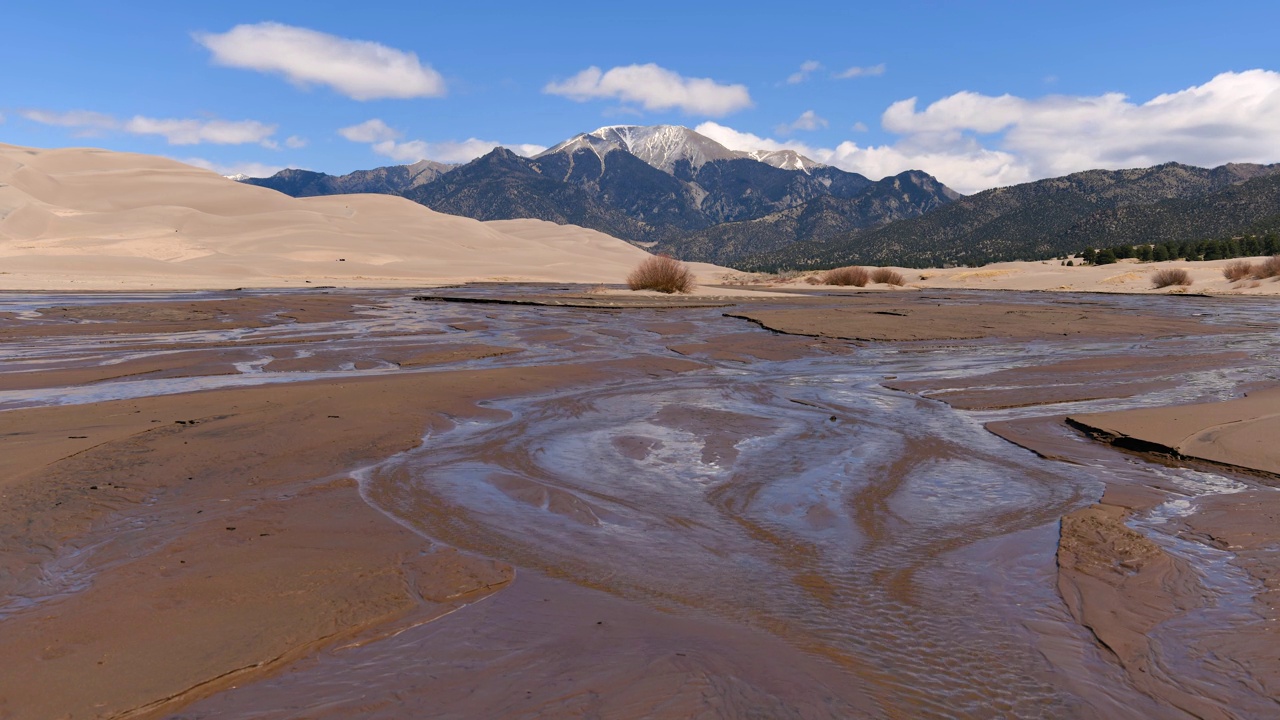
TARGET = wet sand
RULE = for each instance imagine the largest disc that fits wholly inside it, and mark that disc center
(340, 505)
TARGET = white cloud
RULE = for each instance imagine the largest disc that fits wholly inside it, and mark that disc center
(359, 69)
(808, 120)
(83, 119)
(369, 131)
(653, 88)
(966, 169)
(869, 71)
(385, 141)
(973, 142)
(1230, 118)
(195, 132)
(859, 127)
(807, 68)
(294, 142)
(176, 131)
(252, 169)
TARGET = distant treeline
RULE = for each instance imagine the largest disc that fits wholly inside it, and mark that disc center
(1245, 246)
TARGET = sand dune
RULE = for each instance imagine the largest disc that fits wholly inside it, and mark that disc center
(95, 219)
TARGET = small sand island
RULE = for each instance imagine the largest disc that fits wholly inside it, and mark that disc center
(345, 456)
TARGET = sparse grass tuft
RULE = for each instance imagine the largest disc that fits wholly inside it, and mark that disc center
(662, 273)
(887, 276)
(1170, 276)
(847, 276)
(813, 279)
(1238, 270)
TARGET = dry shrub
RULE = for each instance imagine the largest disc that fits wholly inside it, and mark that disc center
(813, 279)
(1238, 270)
(852, 275)
(662, 273)
(1170, 276)
(1268, 268)
(887, 276)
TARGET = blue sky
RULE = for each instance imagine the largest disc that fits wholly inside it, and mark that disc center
(1005, 91)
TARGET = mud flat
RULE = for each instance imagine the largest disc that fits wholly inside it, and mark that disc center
(199, 539)
(266, 505)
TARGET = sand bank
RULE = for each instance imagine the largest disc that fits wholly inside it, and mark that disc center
(1125, 277)
(1241, 433)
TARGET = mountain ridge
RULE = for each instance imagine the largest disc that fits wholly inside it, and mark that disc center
(1054, 216)
(650, 185)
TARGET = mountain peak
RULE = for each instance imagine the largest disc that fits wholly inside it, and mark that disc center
(663, 146)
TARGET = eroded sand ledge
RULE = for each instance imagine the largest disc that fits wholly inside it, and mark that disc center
(1239, 433)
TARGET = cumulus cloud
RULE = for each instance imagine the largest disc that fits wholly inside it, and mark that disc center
(176, 131)
(251, 169)
(359, 69)
(964, 167)
(653, 88)
(807, 68)
(856, 71)
(369, 131)
(808, 120)
(1230, 118)
(973, 142)
(386, 141)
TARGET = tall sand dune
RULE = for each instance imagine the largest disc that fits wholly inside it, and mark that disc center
(86, 219)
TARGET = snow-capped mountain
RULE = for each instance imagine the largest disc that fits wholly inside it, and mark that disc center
(664, 146)
(664, 187)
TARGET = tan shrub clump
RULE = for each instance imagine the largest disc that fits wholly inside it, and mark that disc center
(847, 276)
(1237, 270)
(1170, 276)
(887, 276)
(662, 273)
(1268, 268)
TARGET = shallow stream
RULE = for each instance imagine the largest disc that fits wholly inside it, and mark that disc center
(888, 535)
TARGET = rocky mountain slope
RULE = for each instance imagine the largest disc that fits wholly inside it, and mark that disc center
(1053, 217)
(390, 180)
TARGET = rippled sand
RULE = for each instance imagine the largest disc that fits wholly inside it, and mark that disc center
(336, 506)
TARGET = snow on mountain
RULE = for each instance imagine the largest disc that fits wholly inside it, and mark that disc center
(662, 146)
(785, 159)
